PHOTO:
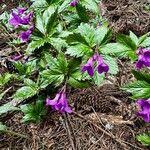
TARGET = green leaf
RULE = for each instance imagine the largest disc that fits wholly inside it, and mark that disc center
(2, 127)
(49, 59)
(51, 22)
(142, 38)
(92, 5)
(39, 5)
(76, 38)
(24, 93)
(7, 107)
(25, 69)
(78, 50)
(33, 112)
(48, 1)
(74, 68)
(63, 6)
(146, 42)
(53, 76)
(29, 82)
(139, 89)
(134, 38)
(98, 78)
(102, 35)
(58, 43)
(141, 76)
(132, 55)
(77, 84)
(82, 13)
(57, 71)
(144, 139)
(114, 48)
(112, 63)
(62, 63)
(88, 32)
(40, 23)
(36, 45)
(5, 78)
(127, 41)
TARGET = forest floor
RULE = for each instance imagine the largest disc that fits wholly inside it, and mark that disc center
(104, 117)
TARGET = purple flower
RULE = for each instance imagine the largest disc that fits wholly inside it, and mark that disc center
(21, 10)
(20, 17)
(73, 3)
(145, 109)
(25, 35)
(18, 57)
(101, 67)
(59, 103)
(89, 67)
(143, 58)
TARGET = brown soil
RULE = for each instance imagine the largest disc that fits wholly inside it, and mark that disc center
(125, 15)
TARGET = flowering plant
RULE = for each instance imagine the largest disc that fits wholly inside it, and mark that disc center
(57, 44)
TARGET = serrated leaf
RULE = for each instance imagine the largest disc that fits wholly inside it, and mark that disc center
(98, 78)
(51, 22)
(78, 50)
(127, 41)
(114, 48)
(141, 76)
(132, 55)
(101, 34)
(30, 83)
(33, 112)
(142, 38)
(112, 63)
(39, 5)
(58, 43)
(7, 107)
(76, 38)
(144, 139)
(139, 89)
(36, 45)
(63, 6)
(24, 93)
(5, 78)
(134, 38)
(88, 32)
(146, 42)
(92, 5)
(62, 63)
(40, 23)
(49, 59)
(81, 11)
(54, 77)
(77, 84)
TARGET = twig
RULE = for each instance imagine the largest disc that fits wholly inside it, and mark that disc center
(68, 128)
(121, 142)
(16, 134)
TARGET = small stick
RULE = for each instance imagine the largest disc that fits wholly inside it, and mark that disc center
(66, 121)
(16, 134)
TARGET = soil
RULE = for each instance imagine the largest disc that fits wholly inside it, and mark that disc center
(103, 118)
(126, 15)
